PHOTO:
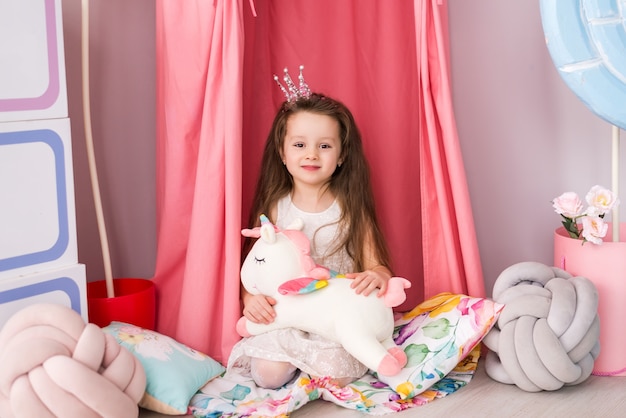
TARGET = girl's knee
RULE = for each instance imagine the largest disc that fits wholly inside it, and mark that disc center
(270, 374)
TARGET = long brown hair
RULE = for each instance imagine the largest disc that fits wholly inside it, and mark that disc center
(350, 183)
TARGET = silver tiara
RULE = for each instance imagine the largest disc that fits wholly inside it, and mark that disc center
(291, 92)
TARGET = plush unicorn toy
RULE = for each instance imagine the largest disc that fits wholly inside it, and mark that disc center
(314, 299)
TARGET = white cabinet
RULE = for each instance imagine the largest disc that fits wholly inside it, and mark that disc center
(38, 247)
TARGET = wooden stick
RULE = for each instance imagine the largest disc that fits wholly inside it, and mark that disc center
(615, 180)
(106, 256)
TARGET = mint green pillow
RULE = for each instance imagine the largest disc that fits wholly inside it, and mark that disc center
(174, 372)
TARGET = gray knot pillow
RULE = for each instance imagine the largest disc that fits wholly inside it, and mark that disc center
(547, 335)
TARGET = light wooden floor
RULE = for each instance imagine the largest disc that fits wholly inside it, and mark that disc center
(483, 397)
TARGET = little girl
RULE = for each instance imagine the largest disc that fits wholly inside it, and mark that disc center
(314, 168)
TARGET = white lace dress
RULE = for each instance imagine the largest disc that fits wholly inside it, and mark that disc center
(310, 353)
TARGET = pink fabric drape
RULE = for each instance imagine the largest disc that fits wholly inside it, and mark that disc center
(199, 79)
(451, 258)
(388, 61)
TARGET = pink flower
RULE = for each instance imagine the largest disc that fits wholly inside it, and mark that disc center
(131, 329)
(600, 201)
(345, 393)
(594, 229)
(568, 204)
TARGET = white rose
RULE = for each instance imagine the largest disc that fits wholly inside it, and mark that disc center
(594, 229)
(600, 200)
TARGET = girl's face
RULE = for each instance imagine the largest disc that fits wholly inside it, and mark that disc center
(311, 148)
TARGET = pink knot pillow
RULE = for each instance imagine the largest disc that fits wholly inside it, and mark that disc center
(55, 365)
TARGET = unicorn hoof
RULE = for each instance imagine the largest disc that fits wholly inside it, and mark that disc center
(389, 366)
(399, 355)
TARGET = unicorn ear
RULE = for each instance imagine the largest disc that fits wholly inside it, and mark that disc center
(297, 224)
(268, 233)
(252, 233)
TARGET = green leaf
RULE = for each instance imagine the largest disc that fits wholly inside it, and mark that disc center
(437, 329)
(571, 227)
(415, 353)
(237, 393)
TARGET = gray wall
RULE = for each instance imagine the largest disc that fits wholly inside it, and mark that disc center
(526, 138)
(122, 50)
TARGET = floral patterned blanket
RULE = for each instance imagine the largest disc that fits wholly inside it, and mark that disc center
(441, 337)
(238, 396)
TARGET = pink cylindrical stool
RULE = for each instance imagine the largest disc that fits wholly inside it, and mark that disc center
(605, 266)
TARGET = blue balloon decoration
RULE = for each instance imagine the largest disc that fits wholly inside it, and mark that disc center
(587, 42)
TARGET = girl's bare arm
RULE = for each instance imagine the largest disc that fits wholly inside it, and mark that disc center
(374, 276)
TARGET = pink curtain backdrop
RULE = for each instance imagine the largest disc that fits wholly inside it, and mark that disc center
(199, 82)
(451, 257)
(388, 61)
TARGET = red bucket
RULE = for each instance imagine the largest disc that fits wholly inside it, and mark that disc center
(134, 302)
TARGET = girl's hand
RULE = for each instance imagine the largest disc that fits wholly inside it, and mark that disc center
(259, 308)
(368, 280)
